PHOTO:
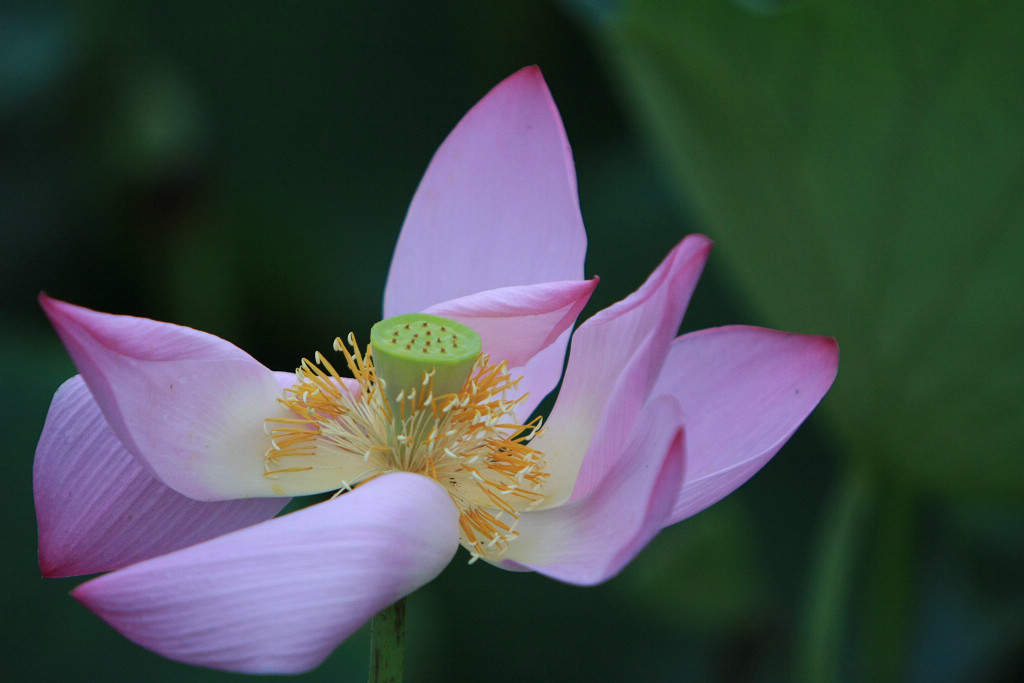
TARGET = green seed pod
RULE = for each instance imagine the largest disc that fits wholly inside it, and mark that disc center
(407, 348)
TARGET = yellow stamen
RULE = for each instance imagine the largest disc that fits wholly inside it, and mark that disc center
(469, 442)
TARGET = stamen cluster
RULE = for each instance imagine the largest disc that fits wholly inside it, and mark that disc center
(470, 442)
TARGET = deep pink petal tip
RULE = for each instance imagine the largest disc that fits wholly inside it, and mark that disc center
(744, 391)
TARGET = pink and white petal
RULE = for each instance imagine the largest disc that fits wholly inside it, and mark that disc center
(98, 509)
(541, 375)
(496, 207)
(590, 539)
(614, 363)
(743, 391)
(278, 597)
(517, 323)
(190, 406)
(285, 379)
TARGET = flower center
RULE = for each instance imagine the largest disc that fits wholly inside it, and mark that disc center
(406, 348)
(422, 399)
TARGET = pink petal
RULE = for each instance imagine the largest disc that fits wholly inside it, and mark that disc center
(613, 364)
(280, 596)
(517, 323)
(190, 406)
(98, 509)
(541, 375)
(497, 206)
(743, 391)
(591, 539)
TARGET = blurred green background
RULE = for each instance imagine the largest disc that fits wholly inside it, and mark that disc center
(244, 168)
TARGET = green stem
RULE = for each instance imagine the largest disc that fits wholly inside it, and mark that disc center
(387, 644)
(889, 591)
(842, 542)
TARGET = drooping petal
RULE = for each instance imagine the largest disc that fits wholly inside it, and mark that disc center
(613, 364)
(743, 391)
(496, 207)
(517, 323)
(98, 509)
(190, 406)
(591, 539)
(280, 596)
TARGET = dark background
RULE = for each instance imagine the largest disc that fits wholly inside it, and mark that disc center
(244, 168)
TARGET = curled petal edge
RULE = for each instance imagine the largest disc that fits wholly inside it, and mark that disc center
(189, 406)
(98, 509)
(526, 325)
(614, 361)
(278, 597)
(744, 391)
(590, 539)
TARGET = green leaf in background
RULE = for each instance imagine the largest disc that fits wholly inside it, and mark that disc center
(861, 167)
(704, 576)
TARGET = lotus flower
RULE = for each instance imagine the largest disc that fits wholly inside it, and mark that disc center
(166, 459)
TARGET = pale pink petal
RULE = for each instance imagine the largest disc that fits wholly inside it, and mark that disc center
(98, 509)
(743, 392)
(541, 375)
(497, 206)
(590, 539)
(285, 379)
(281, 595)
(613, 364)
(190, 406)
(517, 323)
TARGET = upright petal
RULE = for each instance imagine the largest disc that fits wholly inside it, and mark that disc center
(743, 391)
(518, 323)
(280, 596)
(190, 406)
(98, 509)
(497, 206)
(591, 539)
(613, 364)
